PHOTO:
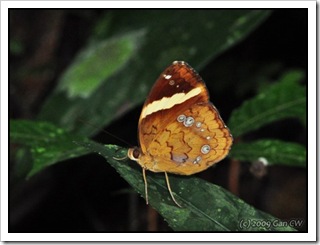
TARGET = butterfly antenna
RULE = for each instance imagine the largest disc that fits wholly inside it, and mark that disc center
(169, 188)
(145, 184)
(106, 132)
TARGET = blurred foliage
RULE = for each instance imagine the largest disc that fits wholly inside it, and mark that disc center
(16, 47)
(274, 151)
(100, 61)
(48, 143)
(146, 42)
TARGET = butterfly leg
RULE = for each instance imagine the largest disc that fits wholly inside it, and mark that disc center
(145, 184)
(169, 188)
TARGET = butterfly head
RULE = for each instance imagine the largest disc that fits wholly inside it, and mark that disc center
(144, 160)
(134, 153)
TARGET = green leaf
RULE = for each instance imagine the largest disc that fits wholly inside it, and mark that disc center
(138, 45)
(285, 99)
(205, 206)
(97, 63)
(48, 143)
(274, 151)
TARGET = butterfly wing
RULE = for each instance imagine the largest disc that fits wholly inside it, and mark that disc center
(177, 87)
(180, 131)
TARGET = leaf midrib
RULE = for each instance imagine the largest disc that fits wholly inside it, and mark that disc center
(271, 111)
(193, 207)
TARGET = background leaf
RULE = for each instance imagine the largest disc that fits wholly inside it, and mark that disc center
(48, 143)
(274, 151)
(145, 52)
(205, 206)
(284, 99)
(97, 63)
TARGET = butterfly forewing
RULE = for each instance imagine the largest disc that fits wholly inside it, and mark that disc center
(179, 78)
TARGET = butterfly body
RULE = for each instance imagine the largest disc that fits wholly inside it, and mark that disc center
(180, 130)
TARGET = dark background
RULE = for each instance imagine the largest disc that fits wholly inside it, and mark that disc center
(88, 195)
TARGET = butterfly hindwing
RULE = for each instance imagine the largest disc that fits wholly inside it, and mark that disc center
(190, 142)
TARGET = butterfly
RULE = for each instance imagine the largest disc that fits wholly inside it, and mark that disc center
(180, 131)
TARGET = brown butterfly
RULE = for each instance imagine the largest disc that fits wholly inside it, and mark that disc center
(180, 130)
